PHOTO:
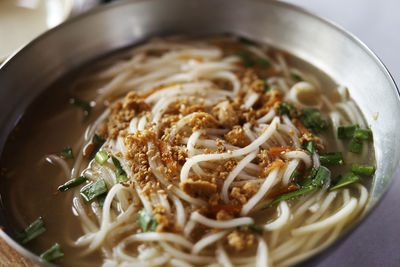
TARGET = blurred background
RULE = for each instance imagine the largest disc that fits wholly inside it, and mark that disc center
(376, 242)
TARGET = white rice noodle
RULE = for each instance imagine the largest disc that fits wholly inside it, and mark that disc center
(283, 218)
(197, 217)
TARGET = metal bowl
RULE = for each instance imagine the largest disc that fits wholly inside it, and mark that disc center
(326, 46)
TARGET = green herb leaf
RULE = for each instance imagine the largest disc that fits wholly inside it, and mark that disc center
(362, 134)
(363, 169)
(316, 179)
(256, 228)
(67, 153)
(311, 118)
(321, 176)
(35, 229)
(266, 85)
(286, 108)
(347, 179)
(299, 192)
(119, 172)
(355, 146)
(246, 41)
(309, 146)
(97, 140)
(146, 222)
(296, 76)
(101, 199)
(72, 183)
(295, 174)
(346, 132)
(309, 179)
(93, 190)
(85, 106)
(98, 143)
(262, 62)
(101, 156)
(52, 254)
(334, 158)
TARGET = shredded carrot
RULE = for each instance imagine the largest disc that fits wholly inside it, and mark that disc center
(199, 59)
(277, 150)
(283, 190)
(230, 208)
(149, 93)
(88, 150)
(275, 164)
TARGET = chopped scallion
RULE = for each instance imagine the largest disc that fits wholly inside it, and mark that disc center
(363, 169)
(256, 229)
(101, 156)
(355, 146)
(101, 199)
(67, 153)
(286, 108)
(119, 172)
(334, 158)
(85, 106)
(146, 222)
(347, 179)
(311, 118)
(35, 229)
(246, 41)
(72, 183)
(309, 146)
(98, 143)
(363, 134)
(346, 132)
(262, 62)
(93, 190)
(296, 76)
(52, 254)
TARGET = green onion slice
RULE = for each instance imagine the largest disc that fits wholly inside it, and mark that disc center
(347, 179)
(296, 76)
(309, 146)
(72, 183)
(346, 132)
(363, 134)
(146, 221)
(312, 119)
(335, 158)
(119, 172)
(101, 156)
(52, 254)
(355, 146)
(84, 105)
(67, 153)
(286, 108)
(35, 229)
(93, 190)
(363, 169)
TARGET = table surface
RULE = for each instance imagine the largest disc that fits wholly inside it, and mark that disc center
(376, 241)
